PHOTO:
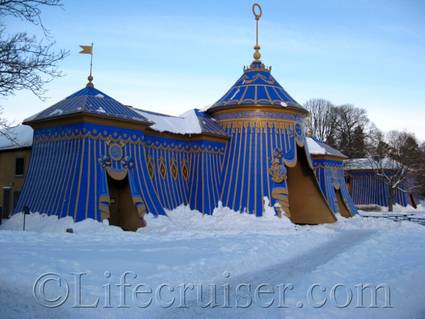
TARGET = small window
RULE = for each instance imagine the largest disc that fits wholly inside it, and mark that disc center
(20, 166)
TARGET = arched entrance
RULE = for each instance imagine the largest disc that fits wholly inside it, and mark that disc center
(123, 212)
(306, 201)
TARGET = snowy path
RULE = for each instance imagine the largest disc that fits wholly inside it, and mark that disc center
(288, 272)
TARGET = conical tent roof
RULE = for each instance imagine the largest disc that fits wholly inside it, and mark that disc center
(256, 86)
(88, 100)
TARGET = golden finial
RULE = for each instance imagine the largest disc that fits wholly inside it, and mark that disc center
(258, 12)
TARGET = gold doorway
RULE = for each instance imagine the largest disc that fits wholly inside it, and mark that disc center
(123, 212)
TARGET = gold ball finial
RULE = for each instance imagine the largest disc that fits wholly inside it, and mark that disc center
(257, 54)
(90, 83)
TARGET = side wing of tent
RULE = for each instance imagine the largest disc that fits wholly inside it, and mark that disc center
(330, 175)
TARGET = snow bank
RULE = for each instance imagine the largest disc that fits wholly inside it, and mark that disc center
(43, 223)
(184, 222)
(181, 220)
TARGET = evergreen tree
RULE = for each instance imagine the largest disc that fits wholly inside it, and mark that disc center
(358, 145)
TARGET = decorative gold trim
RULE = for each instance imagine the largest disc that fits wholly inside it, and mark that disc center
(173, 168)
(185, 169)
(235, 108)
(150, 167)
(162, 168)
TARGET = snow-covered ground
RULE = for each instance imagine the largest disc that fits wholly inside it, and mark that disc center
(243, 256)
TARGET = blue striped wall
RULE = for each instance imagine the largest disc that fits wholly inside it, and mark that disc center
(67, 175)
(367, 188)
(200, 187)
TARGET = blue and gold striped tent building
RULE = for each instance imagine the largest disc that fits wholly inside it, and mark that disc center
(94, 157)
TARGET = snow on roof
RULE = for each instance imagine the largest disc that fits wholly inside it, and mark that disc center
(191, 122)
(317, 147)
(187, 123)
(369, 163)
(16, 137)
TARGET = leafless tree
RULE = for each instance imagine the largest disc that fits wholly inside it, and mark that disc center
(351, 128)
(345, 127)
(26, 63)
(321, 121)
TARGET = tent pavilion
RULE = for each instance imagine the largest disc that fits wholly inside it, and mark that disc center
(94, 157)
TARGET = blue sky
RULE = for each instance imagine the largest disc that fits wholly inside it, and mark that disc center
(170, 56)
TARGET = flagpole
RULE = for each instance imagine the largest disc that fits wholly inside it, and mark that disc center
(88, 49)
(91, 60)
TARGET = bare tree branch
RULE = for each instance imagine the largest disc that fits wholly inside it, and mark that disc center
(26, 64)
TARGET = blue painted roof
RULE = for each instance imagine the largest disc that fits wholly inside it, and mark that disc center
(208, 124)
(257, 87)
(88, 100)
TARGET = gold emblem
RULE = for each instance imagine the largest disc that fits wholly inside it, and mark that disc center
(277, 169)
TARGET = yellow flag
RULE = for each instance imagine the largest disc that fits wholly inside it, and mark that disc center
(86, 49)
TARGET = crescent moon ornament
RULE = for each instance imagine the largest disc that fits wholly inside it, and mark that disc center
(257, 11)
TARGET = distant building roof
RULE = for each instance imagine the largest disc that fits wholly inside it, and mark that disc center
(256, 86)
(88, 100)
(16, 137)
(369, 164)
(317, 147)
